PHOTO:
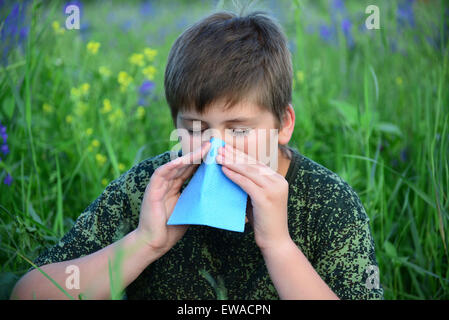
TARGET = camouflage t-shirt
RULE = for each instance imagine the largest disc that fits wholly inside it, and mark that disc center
(326, 221)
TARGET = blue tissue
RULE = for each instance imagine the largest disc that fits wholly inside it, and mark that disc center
(211, 198)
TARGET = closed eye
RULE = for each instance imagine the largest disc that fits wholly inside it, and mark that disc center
(241, 131)
(235, 131)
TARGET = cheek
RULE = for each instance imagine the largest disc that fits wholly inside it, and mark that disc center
(259, 146)
(190, 143)
(251, 146)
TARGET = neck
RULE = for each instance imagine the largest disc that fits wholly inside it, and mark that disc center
(283, 162)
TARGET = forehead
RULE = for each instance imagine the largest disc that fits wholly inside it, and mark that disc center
(218, 112)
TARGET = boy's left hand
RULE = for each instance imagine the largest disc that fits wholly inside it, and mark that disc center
(268, 191)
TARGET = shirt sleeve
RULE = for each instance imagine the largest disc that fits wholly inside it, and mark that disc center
(106, 220)
(346, 258)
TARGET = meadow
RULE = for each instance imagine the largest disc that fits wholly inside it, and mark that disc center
(78, 108)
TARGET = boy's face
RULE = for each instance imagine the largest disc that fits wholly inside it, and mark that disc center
(245, 126)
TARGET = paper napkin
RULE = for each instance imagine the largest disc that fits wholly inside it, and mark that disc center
(211, 198)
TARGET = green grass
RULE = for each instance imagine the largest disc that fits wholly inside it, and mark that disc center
(357, 109)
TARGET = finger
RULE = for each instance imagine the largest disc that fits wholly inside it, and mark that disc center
(188, 172)
(242, 157)
(197, 155)
(251, 188)
(254, 172)
(164, 173)
(192, 158)
(238, 155)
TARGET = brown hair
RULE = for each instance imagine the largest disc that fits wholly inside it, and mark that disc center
(230, 57)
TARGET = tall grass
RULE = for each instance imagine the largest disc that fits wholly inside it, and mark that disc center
(373, 108)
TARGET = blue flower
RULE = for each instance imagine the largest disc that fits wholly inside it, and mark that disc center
(326, 33)
(405, 14)
(14, 29)
(404, 154)
(147, 9)
(5, 150)
(346, 28)
(8, 180)
(145, 90)
(147, 87)
(338, 5)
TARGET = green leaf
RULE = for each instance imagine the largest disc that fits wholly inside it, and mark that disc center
(389, 128)
(8, 107)
(390, 249)
(347, 110)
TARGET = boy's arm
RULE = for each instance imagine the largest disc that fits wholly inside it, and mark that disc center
(93, 279)
(105, 231)
(346, 248)
(292, 274)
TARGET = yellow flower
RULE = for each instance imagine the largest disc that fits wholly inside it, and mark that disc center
(116, 115)
(399, 81)
(101, 159)
(121, 166)
(300, 76)
(69, 118)
(124, 80)
(81, 108)
(57, 28)
(149, 72)
(47, 108)
(104, 71)
(107, 107)
(137, 59)
(150, 53)
(89, 131)
(95, 143)
(104, 182)
(92, 47)
(84, 88)
(140, 112)
(75, 93)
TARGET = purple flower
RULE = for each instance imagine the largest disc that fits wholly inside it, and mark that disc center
(404, 155)
(126, 26)
(405, 14)
(326, 33)
(346, 28)
(14, 28)
(338, 5)
(147, 87)
(8, 180)
(3, 133)
(5, 149)
(145, 90)
(147, 9)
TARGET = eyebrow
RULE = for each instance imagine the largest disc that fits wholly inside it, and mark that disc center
(236, 120)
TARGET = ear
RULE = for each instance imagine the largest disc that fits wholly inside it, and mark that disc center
(287, 126)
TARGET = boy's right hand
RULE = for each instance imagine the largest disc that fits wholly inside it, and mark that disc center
(159, 200)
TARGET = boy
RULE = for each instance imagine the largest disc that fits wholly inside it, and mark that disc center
(307, 235)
